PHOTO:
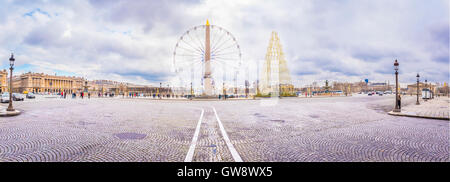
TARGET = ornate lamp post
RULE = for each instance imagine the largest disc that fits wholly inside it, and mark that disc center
(11, 63)
(224, 90)
(247, 84)
(168, 90)
(417, 102)
(432, 93)
(192, 92)
(397, 106)
(160, 91)
(279, 90)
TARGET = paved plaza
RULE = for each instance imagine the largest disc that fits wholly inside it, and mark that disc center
(437, 108)
(355, 128)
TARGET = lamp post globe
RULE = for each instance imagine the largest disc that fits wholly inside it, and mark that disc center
(11, 64)
(11, 60)
(396, 65)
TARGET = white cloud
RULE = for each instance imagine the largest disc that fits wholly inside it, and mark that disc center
(134, 40)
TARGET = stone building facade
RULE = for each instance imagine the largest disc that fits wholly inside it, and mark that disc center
(43, 83)
(3, 81)
(107, 87)
(412, 89)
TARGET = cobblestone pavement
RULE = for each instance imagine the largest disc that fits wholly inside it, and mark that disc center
(211, 145)
(97, 130)
(332, 129)
(437, 108)
(315, 129)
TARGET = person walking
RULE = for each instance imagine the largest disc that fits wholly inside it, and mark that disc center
(89, 95)
(399, 101)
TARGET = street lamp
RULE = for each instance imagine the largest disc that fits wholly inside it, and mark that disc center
(417, 102)
(11, 63)
(431, 92)
(192, 93)
(397, 104)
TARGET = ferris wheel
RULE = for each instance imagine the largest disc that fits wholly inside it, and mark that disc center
(190, 54)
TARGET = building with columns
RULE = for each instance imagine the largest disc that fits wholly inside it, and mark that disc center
(3, 81)
(43, 83)
(412, 89)
(107, 87)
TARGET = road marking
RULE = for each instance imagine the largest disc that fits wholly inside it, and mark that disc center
(190, 153)
(233, 151)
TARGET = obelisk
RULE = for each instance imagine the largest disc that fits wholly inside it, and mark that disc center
(207, 76)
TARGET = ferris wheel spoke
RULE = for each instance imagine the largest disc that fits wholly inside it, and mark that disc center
(196, 48)
(230, 57)
(223, 49)
(188, 61)
(214, 37)
(223, 58)
(219, 41)
(186, 50)
(218, 38)
(218, 51)
(221, 45)
(201, 45)
(226, 53)
(224, 63)
(191, 55)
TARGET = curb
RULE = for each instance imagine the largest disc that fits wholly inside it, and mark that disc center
(4, 113)
(416, 116)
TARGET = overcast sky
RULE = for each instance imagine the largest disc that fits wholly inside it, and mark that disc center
(133, 40)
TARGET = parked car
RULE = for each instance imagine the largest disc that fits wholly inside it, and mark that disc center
(4, 97)
(370, 94)
(380, 93)
(17, 97)
(30, 96)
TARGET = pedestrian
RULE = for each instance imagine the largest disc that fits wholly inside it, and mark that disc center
(399, 102)
(89, 95)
